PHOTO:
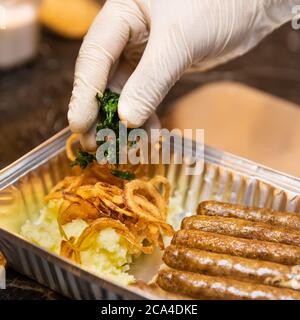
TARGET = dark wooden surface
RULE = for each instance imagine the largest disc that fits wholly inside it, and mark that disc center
(34, 100)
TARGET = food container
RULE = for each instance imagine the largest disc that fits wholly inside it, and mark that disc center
(24, 183)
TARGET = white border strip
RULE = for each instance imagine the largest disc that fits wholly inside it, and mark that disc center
(2, 278)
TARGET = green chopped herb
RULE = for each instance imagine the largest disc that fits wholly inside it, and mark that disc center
(109, 119)
(108, 114)
(123, 175)
(83, 158)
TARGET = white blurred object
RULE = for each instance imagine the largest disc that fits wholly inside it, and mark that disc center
(19, 32)
(2, 278)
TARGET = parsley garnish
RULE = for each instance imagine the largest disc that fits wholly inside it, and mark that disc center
(109, 119)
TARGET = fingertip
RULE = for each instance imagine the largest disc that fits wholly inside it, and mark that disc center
(88, 139)
(129, 114)
(153, 123)
(82, 113)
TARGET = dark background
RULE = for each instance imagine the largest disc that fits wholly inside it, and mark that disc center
(34, 100)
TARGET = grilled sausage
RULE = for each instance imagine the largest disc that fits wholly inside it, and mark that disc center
(275, 252)
(284, 219)
(242, 228)
(203, 286)
(216, 264)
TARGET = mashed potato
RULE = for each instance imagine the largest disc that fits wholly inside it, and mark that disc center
(108, 256)
(175, 211)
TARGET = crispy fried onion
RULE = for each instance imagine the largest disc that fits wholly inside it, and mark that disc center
(2, 260)
(69, 146)
(136, 210)
(102, 172)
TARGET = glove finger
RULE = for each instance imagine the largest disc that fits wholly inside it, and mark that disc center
(116, 84)
(161, 65)
(101, 48)
(120, 76)
(152, 122)
(88, 139)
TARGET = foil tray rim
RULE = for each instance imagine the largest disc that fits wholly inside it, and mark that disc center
(56, 144)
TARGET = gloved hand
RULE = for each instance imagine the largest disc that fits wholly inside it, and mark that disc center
(142, 47)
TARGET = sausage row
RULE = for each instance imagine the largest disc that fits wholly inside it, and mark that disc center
(276, 218)
(242, 229)
(224, 265)
(203, 286)
(253, 249)
(233, 252)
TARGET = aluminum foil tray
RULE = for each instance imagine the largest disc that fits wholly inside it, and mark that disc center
(24, 183)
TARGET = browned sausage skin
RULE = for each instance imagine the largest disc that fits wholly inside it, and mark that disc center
(203, 286)
(283, 219)
(242, 228)
(253, 249)
(234, 252)
(239, 268)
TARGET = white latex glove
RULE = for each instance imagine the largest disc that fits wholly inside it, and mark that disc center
(158, 40)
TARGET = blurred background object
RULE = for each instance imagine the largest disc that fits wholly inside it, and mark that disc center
(243, 121)
(69, 18)
(34, 93)
(20, 25)
(19, 32)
